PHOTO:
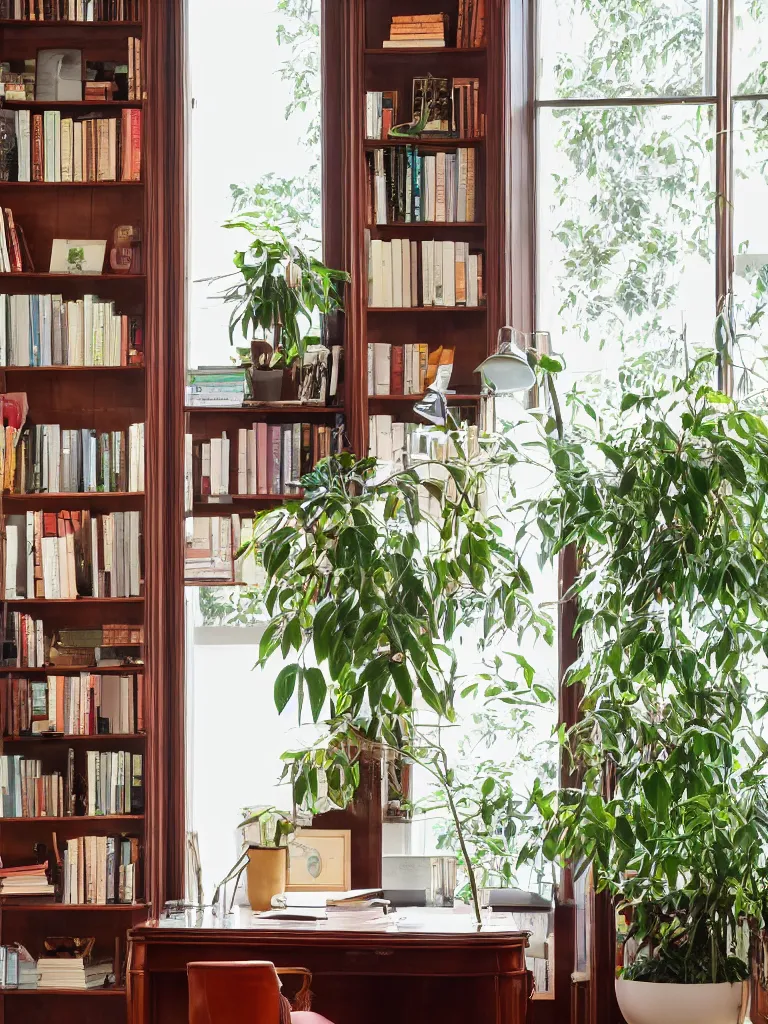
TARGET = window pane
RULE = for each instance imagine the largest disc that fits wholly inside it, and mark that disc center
(750, 224)
(617, 48)
(626, 232)
(750, 47)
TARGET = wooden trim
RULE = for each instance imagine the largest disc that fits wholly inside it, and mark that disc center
(724, 171)
(521, 162)
(164, 139)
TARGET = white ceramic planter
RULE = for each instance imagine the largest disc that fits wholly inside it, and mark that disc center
(642, 1002)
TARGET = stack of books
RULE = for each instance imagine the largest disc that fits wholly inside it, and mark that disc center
(216, 385)
(380, 114)
(400, 444)
(76, 973)
(65, 555)
(210, 467)
(405, 186)
(25, 644)
(50, 459)
(26, 880)
(273, 457)
(100, 870)
(88, 704)
(18, 85)
(417, 30)
(93, 147)
(48, 330)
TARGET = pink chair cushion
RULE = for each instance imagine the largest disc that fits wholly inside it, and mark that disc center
(305, 1017)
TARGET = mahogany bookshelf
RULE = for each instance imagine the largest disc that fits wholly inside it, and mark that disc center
(105, 398)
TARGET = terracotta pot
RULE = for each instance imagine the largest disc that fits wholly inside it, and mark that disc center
(642, 1002)
(266, 874)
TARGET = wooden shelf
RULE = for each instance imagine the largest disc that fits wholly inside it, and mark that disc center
(58, 602)
(239, 501)
(41, 907)
(111, 737)
(73, 184)
(58, 670)
(267, 407)
(427, 309)
(87, 499)
(112, 990)
(65, 104)
(71, 369)
(62, 23)
(422, 51)
(64, 818)
(32, 276)
(444, 142)
(458, 397)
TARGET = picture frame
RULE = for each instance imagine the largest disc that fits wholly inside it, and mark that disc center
(320, 860)
(78, 256)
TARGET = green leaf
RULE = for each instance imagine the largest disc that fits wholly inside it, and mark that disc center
(285, 685)
(317, 689)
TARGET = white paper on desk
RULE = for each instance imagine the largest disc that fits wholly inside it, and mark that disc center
(320, 899)
(59, 75)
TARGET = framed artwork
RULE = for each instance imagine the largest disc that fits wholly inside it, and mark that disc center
(320, 860)
(77, 256)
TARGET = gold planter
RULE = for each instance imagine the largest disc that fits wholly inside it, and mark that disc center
(266, 875)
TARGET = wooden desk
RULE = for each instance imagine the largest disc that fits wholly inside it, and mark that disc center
(430, 966)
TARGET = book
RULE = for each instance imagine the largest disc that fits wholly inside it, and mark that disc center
(397, 369)
(87, 704)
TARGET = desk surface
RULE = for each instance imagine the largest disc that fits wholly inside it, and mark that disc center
(410, 926)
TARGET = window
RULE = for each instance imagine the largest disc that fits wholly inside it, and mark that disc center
(638, 207)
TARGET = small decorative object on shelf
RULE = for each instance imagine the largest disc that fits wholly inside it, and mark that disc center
(59, 75)
(77, 256)
(125, 254)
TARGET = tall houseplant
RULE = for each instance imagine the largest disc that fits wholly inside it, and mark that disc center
(666, 510)
(368, 596)
(280, 289)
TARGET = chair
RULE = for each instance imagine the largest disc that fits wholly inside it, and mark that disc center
(246, 991)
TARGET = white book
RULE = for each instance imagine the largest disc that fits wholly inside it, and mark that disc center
(384, 438)
(386, 275)
(382, 362)
(427, 272)
(49, 547)
(461, 205)
(23, 142)
(224, 478)
(56, 144)
(11, 562)
(371, 378)
(375, 294)
(440, 194)
(408, 370)
(430, 181)
(67, 138)
(77, 151)
(437, 276)
(449, 273)
(472, 296)
(252, 484)
(3, 330)
(242, 460)
(134, 531)
(406, 261)
(30, 553)
(397, 273)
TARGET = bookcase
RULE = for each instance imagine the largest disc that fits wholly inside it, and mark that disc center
(147, 388)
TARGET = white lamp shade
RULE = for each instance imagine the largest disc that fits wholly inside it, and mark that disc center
(507, 371)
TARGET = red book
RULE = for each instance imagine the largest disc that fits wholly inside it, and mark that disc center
(139, 703)
(135, 145)
(262, 458)
(14, 247)
(396, 370)
(37, 147)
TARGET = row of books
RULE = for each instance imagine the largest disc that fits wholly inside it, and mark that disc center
(92, 147)
(450, 275)
(100, 870)
(70, 10)
(406, 186)
(29, 793)
(114, 782)
(27, 646)
(48, 330)
(87, 704)
(397, 369)
(70, 554)
(400, 444)
(271, 458)
(417, 30)
(51, 459)
(452, 107)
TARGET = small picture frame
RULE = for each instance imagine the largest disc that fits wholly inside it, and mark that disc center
(320, 860)
(77, 256)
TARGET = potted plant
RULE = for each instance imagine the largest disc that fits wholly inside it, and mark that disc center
(279, 290)
(664, 504)
(266, 833)
(367, 594)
